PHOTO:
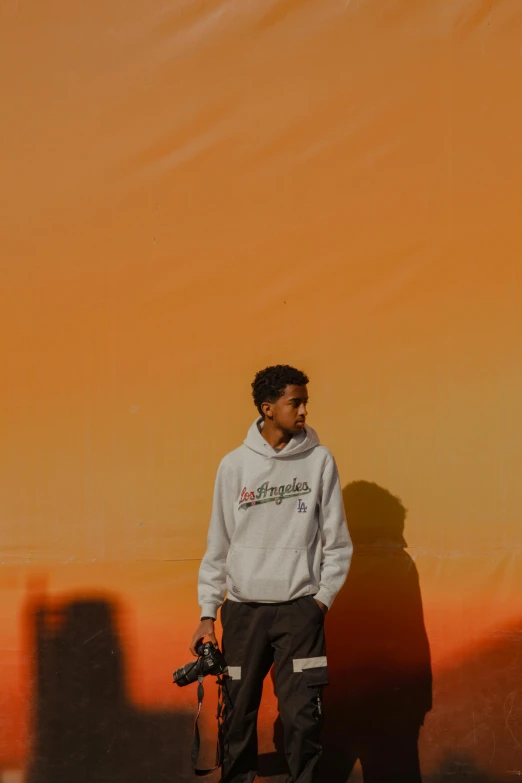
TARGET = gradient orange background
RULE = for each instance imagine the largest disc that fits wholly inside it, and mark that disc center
(194, 190)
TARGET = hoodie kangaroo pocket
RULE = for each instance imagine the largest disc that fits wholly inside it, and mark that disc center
(263, 574)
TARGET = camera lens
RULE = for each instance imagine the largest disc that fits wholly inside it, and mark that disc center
(186, 674)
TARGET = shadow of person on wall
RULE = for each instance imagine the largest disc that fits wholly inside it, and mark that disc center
(378, 652)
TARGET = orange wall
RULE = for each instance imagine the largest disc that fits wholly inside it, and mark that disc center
(192, 191)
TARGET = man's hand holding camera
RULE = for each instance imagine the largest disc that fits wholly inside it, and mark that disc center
(204, 629)
(210, 660)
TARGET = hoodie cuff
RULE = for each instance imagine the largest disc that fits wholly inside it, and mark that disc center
(325, 597)
(209, 610)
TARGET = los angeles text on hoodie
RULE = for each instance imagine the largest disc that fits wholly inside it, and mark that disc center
(278, 530)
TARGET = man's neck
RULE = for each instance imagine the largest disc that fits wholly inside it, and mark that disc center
(274, 436)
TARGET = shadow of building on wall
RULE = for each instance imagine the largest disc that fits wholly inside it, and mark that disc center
(85, 730)
(378, 653)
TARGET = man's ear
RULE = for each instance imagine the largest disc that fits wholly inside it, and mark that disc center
(266, 407)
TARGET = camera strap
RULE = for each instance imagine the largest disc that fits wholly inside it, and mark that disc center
(196, 742)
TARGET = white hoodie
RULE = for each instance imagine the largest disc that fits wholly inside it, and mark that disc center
(278, 529)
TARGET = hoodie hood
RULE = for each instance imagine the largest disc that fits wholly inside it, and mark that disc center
(304, 441)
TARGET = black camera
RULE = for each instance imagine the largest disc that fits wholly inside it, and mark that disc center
(210, 661)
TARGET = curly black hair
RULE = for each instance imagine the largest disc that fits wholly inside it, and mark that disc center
(270, 383)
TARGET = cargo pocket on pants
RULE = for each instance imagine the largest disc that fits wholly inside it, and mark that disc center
(315, 678)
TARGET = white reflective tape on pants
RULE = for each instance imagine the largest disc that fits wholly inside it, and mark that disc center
(234, 672)
(300, 664)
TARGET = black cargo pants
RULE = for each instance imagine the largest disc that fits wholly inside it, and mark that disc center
(290, 636)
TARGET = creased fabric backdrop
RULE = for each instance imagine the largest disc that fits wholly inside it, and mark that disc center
(192, 191)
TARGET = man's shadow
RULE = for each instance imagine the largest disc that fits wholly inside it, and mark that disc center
(378, 652)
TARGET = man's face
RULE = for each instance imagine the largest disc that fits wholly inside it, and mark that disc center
(289, 412)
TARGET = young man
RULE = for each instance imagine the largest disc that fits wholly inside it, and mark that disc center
(279, 544)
